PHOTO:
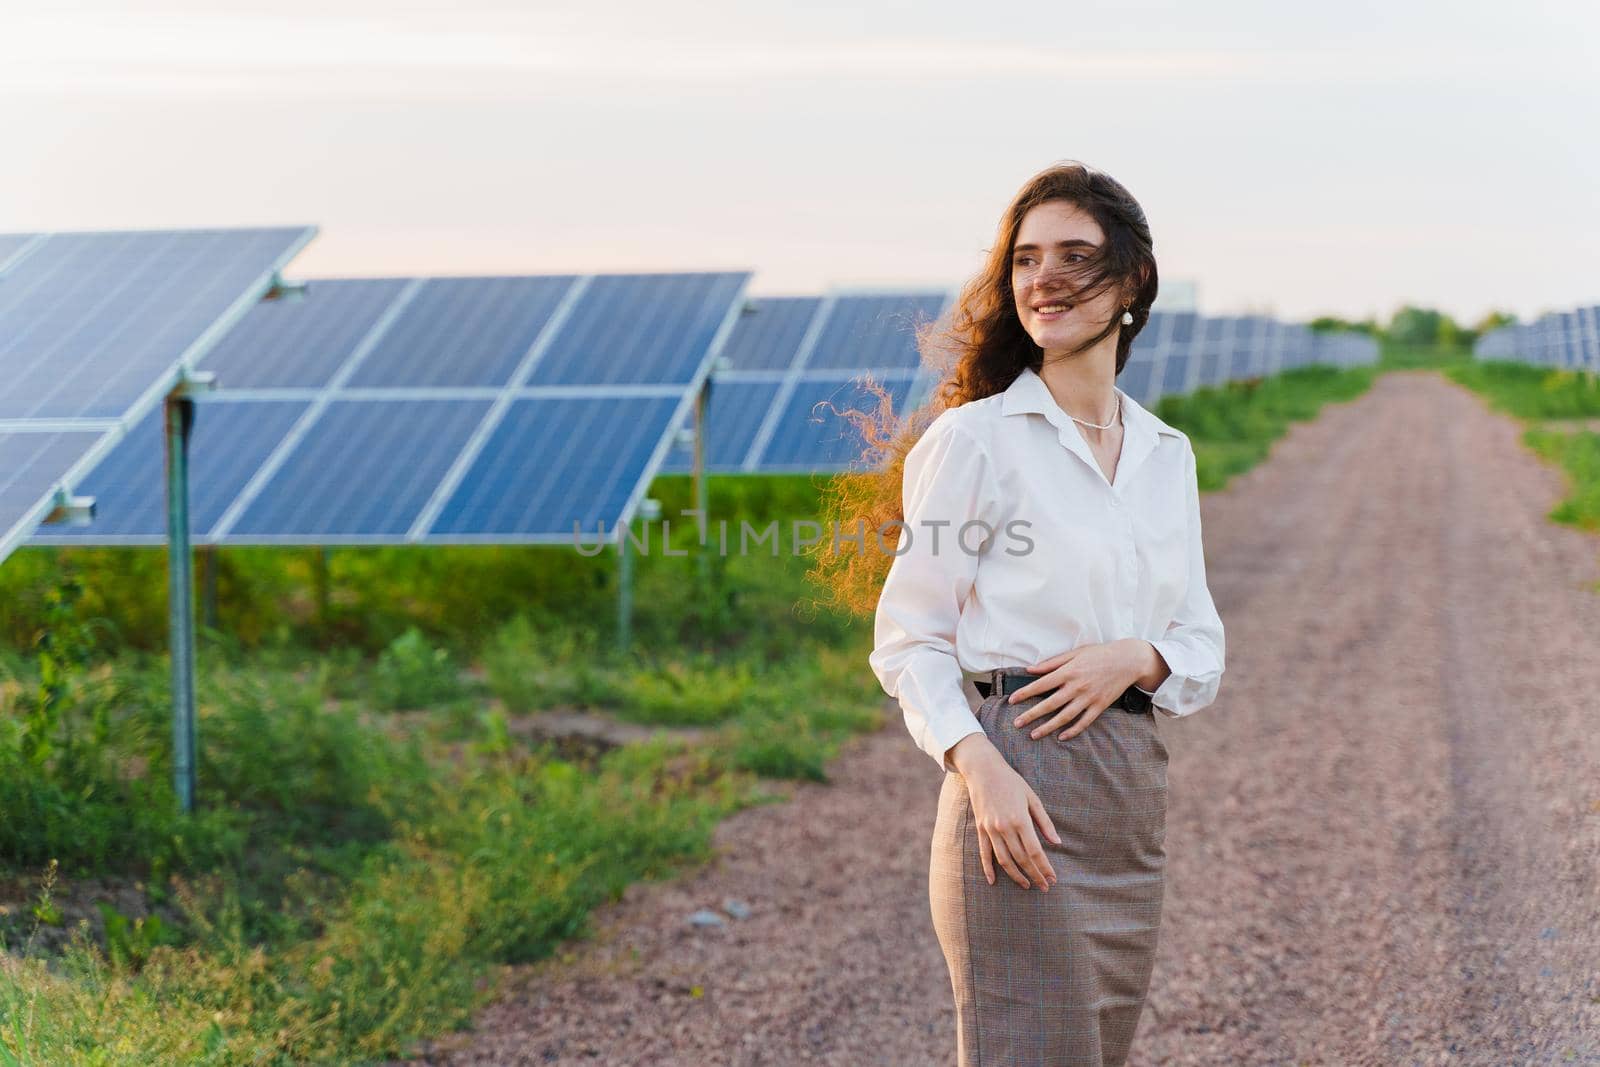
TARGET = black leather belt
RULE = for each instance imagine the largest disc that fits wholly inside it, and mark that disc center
(1010, 679)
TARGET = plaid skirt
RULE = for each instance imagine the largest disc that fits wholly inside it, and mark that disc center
(1058, 978)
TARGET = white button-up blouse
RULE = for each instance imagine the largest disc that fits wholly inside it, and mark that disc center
(1016, 548)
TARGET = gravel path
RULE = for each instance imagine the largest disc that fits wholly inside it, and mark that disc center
(1383, 838)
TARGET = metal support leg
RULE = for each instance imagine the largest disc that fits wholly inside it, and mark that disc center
(180, 599)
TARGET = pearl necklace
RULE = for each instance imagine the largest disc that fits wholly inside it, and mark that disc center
(1096, 425)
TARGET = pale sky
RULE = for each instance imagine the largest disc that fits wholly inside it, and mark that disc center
(1298, 159)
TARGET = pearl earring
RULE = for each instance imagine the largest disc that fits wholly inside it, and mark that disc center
(1127, 317)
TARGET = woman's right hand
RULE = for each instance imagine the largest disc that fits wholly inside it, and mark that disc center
(1005, 810)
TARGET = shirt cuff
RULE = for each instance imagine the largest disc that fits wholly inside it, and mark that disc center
(1183, 664)
(947, 739)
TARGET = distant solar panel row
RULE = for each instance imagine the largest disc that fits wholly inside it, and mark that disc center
(795, 364)
(93, 330)
(1568, 339)
(437, 410)
(1180, 351)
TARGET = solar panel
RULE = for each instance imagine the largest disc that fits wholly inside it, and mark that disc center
(363, 471)
(641, 329)
(1294, 345)
(813, 434)
(1249, 356)
(1589, 319)
(300, 343)
(228, 442)
(735, 409)
(553, 462)
(88, 322)
(790, 353)
(1185, 329)
(873, 332)
(1571, 340)
(769, 334)
(1153, 337)
(463, 332)
(93, 330)
(1271, 347)
(1175, 372)
(14, 244)
(1138, 377)
(1213, 344)
(364, 421)
(31, 464)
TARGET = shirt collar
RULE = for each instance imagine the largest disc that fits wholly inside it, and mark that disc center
(1141, 429)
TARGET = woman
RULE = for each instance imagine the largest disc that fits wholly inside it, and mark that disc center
(1051, 554)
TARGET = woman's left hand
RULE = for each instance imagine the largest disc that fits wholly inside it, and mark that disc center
(1086, 680)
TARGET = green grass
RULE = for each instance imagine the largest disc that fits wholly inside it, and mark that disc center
(1232, 427)
(373, 840)
(1532, 392)
(1538, 393)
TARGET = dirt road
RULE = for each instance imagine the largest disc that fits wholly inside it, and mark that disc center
(1383, 838)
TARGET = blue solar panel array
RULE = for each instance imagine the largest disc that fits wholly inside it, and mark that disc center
(796, 365)
(1178, 352)
(433, 410)
(93, 330)
(1566, 339)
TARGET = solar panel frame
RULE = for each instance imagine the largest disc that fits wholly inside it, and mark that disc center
(285, 244)
(227, 530)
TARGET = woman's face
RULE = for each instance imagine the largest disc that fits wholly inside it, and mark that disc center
(1053, 242)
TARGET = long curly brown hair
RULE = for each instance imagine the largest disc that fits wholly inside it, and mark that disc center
(977, 351)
